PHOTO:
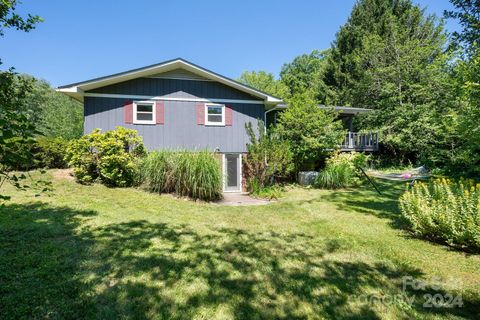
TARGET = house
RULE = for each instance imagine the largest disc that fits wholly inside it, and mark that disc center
(178, 105)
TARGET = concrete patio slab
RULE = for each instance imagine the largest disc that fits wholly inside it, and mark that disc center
(241, 199)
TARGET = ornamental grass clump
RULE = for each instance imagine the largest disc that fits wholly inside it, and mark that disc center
(444, 210)
(193, 174)
(341, 170)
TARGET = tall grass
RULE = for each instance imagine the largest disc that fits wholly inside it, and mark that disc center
(341, 170)
(335, 176)
(444, 210)
(193, 174)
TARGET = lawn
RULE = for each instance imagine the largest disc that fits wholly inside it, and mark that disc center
(95, 252)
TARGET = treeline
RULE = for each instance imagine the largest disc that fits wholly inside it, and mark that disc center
(421, 82)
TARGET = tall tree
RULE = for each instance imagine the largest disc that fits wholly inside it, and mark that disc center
(391, 57)
(265, 82)
(305, 74)
(16, 126)
(465, 158)
(467, 12)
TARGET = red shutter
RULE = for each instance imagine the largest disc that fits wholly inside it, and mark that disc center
(160, 111)
(200, 113)
(228, 115)
(128, 111)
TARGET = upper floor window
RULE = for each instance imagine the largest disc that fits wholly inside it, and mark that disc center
(214, 114)
(144, 112)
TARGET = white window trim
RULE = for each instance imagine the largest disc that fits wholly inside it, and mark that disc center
(154, 113)
(208, 123)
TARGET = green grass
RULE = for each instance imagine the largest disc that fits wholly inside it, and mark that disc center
(98, 252)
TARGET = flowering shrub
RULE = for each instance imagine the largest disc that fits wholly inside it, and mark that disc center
(444, 210)
(110, 157)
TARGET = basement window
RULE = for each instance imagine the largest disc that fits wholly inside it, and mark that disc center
(144, 112)
(214, 114)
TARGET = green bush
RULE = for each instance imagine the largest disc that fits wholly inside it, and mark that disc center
(50, 152)
(110, 157)
(269, 158)
(341, 170)
(193, 174)
(259, 191)
(444, 210)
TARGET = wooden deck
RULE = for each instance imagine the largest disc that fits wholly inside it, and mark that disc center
(355, 141)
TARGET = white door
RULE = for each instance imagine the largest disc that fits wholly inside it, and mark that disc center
(232, 172)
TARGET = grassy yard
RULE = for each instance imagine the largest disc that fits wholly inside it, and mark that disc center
(95, 252)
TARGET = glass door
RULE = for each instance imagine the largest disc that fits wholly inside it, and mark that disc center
(232, 172)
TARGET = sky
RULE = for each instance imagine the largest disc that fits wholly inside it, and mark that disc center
(80, 40)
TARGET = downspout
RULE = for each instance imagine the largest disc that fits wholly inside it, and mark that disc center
(278, 107)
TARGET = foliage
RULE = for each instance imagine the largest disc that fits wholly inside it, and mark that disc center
(9, 19)
(391, 57)
(467, 12)
(311, 132)
(54, 114)
(264, 192)
(110, 157)
(50, 152)
(265, 82)
(444, 210)
(305, 75)
(17, 131)
(341, 170)
(17, 134)
(269, 158)
(193, 174)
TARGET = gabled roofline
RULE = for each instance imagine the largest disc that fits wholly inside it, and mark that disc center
(76, 89)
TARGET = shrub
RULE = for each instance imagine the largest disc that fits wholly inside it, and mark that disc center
(110, 157)
(193, 174)
(269, 192)
(444, 210)
(341, 170)
(268, 159)
(49, 152)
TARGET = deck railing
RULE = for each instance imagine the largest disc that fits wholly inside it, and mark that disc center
(355, 141)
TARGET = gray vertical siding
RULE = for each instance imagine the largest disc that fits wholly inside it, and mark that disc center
(180, 129)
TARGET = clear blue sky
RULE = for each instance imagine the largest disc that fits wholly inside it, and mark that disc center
(80, 40)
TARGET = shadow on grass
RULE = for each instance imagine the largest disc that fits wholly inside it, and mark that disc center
(40, 257)
(365, 199)
(55, 267)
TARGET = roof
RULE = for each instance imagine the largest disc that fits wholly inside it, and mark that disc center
(76, 90)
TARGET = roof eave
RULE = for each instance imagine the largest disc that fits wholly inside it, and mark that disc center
(76, 89)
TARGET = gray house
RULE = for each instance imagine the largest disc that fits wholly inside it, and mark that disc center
(177, 105)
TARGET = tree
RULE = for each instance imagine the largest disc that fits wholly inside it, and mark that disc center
(311, 132)
(15, 125)
(468, 14)
(265, 82)
(54, 114)
(465, 124)
(304, 75)
(391, 57)
(268, 158)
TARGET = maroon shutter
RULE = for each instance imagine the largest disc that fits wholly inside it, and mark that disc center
(200, 113)
(160, 111)
(228, 116)
(128, 111)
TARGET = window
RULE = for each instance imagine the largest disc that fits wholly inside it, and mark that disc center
(144, 112)
(214, 114)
